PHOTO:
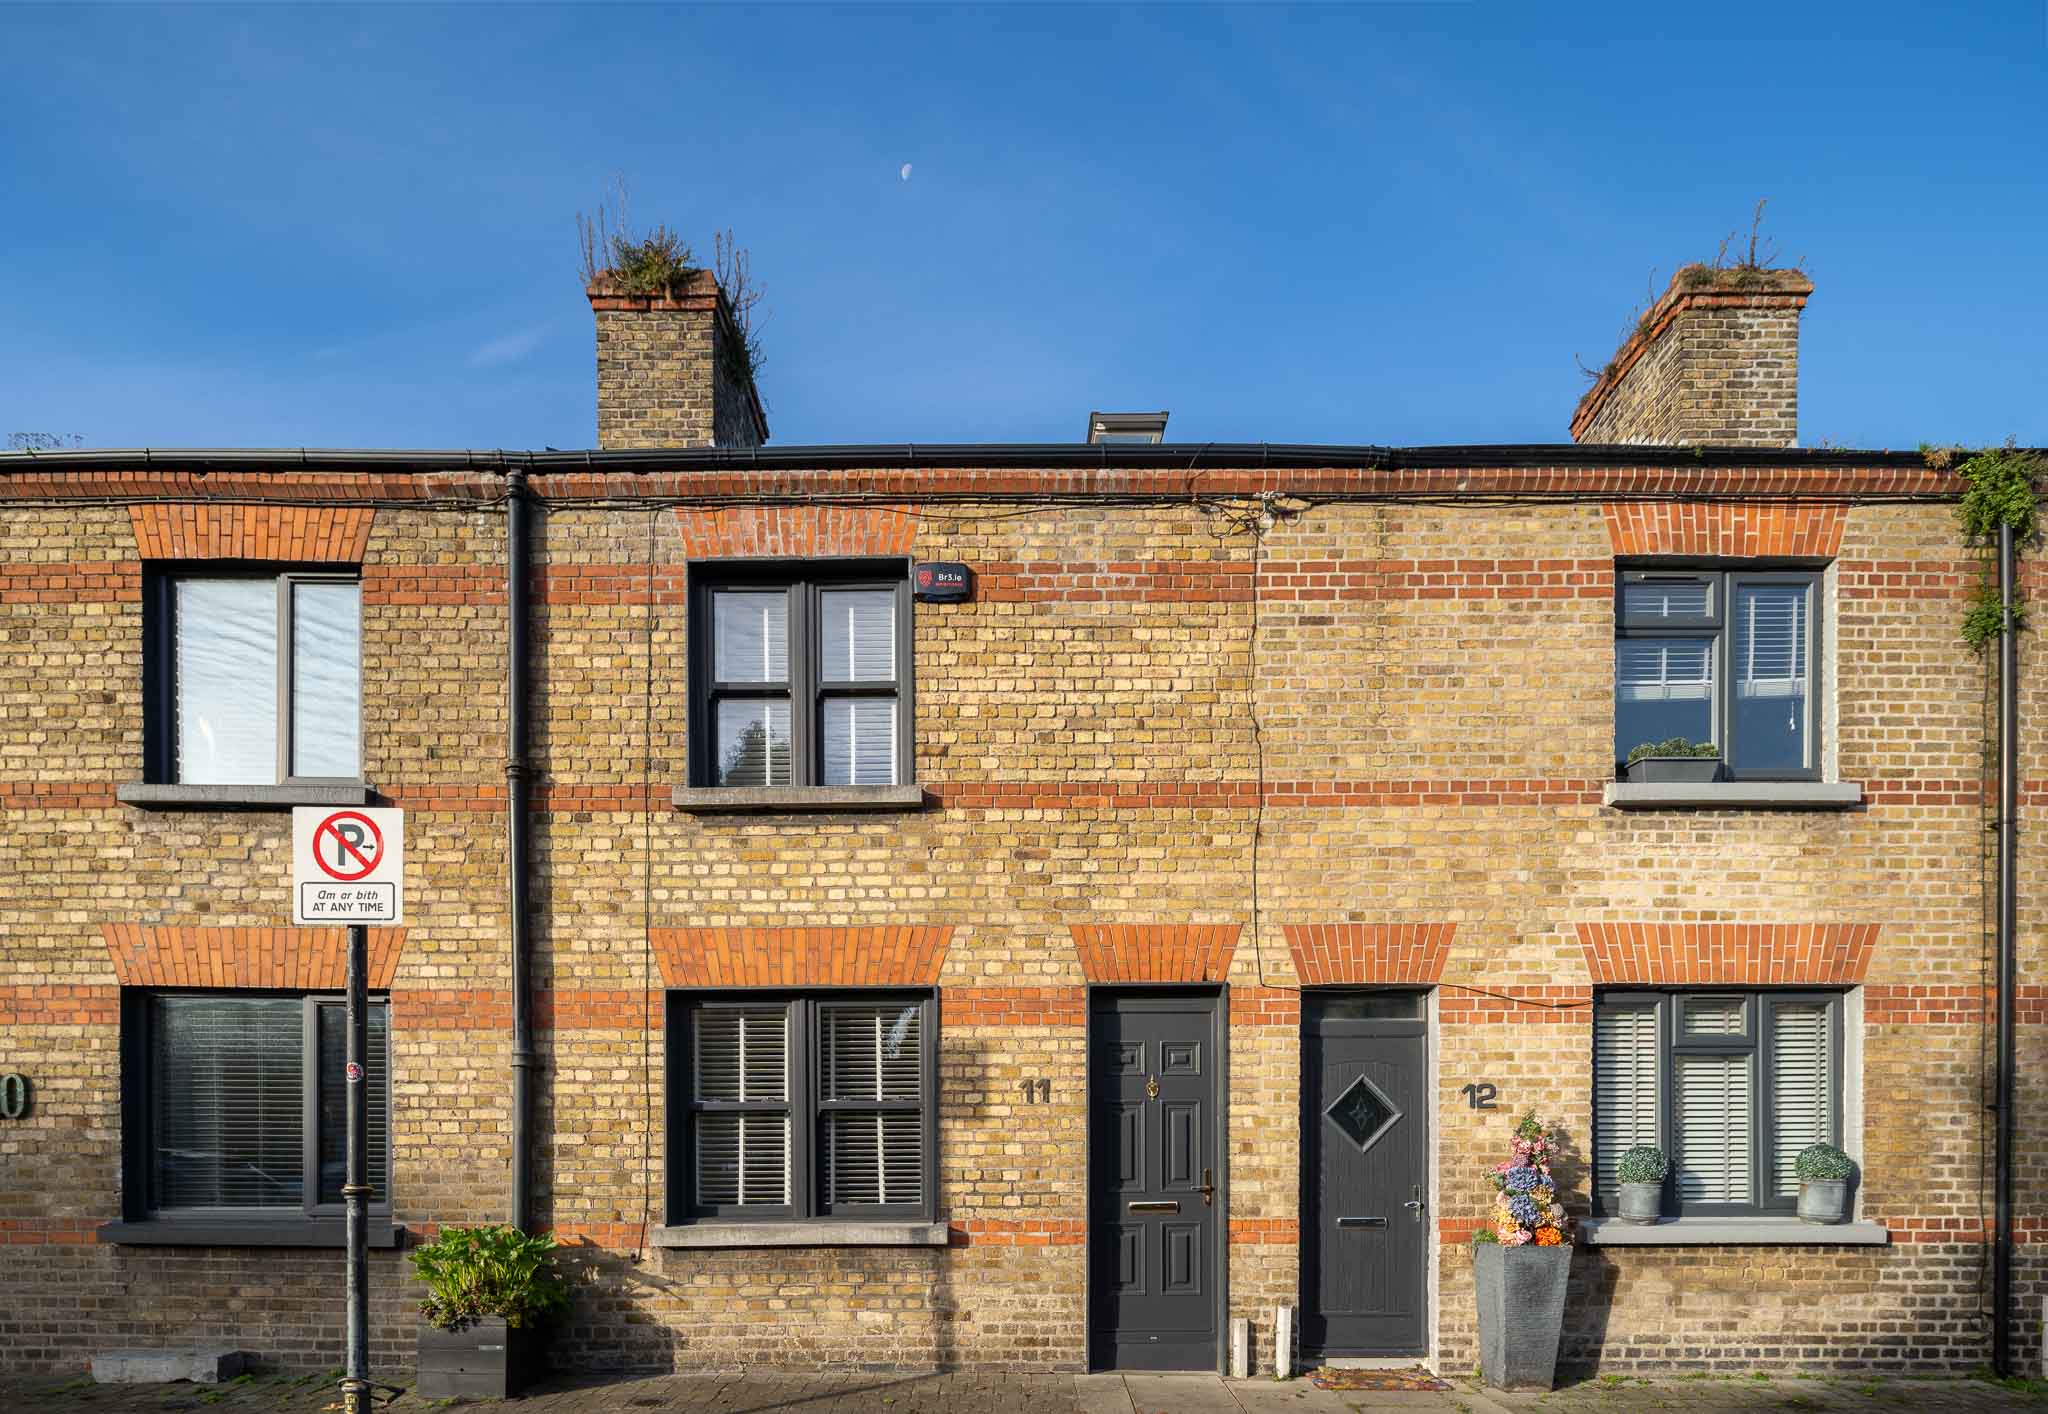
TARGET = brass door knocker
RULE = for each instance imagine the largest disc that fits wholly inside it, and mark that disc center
(1151, 1087)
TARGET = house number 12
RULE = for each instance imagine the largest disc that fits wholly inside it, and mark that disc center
(1479, 1095)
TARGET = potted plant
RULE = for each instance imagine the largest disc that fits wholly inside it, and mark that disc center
(1824, 1173)
(1520, 1265)
(490, 1290)
(1675, 760)
(1642, 1171)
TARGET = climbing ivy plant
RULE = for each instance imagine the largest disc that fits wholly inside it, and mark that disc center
(2003, 489)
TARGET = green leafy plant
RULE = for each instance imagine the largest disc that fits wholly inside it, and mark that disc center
(2003, 489)
(1645, 1163)
(1821, 1163)
(475, 1272)
(1484, 1236)
(1672, 746)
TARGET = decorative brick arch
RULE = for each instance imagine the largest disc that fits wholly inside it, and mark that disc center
(801, 957)
(1156, 952)
(1736, 529)
(1326, 953)
(322, 535)
(315, 959)
(1728, 954)
(743, 532)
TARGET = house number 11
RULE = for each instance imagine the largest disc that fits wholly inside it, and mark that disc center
(1037, 1092)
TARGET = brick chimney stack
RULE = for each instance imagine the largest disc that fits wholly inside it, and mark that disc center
(666, 376)
(1714, 362)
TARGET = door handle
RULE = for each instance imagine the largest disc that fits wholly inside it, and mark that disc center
(1208, 1188)
(1168, 1206)
(1414, 1204)
(1361, 1222)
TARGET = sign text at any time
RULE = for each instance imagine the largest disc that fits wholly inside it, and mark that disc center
(348, 865)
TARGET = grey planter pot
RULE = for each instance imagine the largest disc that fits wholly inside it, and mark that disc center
(1640, 1202)
(1521, 1312)
(481, 1361)
(1824, 1200)
(1676, 770)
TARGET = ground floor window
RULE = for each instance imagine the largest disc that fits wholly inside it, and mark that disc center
(237, 1103)
(801, 1106)
(1730, 1084)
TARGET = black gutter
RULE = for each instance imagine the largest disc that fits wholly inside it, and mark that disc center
(2008, 961)
(518, 581)
(1183, 456)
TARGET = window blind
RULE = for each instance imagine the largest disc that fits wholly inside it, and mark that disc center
(875, 1054)
(1664, 669)
(1715, 1117)
(1625, 1101)
(333, 1082)
(1802, 1095)
(226, 675)
(753, 742)
(1770, 640)
(1665, 599)
(327, 673)
(743, 1057)
(857, 635)
(860, 741)
(750, 633)
(228, 1102)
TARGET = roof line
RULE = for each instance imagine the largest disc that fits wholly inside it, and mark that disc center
(910, 455)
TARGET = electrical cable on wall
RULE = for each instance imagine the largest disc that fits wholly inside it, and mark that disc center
(647, 987)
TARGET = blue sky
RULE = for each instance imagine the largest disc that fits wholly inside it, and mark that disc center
(1392, 223)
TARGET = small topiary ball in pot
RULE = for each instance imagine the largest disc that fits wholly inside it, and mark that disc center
(1821, 1163)
(1645, 1163)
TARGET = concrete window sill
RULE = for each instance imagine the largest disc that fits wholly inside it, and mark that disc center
(1734, 795)
(794, 800)
(149, 796)
(799, 1234)
(1718, 1232)
(255, 1232)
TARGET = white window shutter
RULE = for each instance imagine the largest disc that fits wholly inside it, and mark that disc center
(1624, 1088)
(873, 1053)
(1802, 1087)
(1715, 1117)
(743, 1054)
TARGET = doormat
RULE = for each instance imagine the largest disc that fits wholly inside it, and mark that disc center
(1328, 1378)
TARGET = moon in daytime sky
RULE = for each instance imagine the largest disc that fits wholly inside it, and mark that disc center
(906, 172)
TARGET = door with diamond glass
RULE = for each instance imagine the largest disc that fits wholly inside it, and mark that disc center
(1366, 1169)
(1154, 1197)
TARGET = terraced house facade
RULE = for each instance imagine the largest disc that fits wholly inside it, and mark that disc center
(1162, 929)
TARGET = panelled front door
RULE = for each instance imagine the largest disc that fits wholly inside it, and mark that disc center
(1154, 1258)
(1366, 1152)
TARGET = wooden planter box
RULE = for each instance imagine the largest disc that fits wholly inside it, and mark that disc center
(1680, 770)
(481, 1361)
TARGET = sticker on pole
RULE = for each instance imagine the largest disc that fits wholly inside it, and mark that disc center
(348, 865)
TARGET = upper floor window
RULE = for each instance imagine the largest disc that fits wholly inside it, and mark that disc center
(1725, 657)
(801, 677)
(1731, 1085)
(259, 678)
(241, 1104)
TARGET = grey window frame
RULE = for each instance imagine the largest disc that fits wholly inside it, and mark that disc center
(138, 1117)
(805, 690)
(805, 1106)
(160, 666)
(1755, 1040)
(1722, 581)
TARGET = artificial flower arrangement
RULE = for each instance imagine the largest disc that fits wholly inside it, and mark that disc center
(1525, 1205)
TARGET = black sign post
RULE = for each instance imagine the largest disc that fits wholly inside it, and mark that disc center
(355, 1193)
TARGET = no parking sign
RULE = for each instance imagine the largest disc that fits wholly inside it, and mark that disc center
(348, 865)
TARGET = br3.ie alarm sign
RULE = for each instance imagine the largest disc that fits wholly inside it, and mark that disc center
(348, 865)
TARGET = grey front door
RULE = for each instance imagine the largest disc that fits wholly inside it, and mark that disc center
(1154, 1260)
(1366, 1156)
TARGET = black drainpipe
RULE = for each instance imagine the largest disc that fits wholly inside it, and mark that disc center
(2008, 962)
(518, 557)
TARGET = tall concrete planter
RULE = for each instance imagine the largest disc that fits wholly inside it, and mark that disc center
(1521, 1312)
(483, 1360)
